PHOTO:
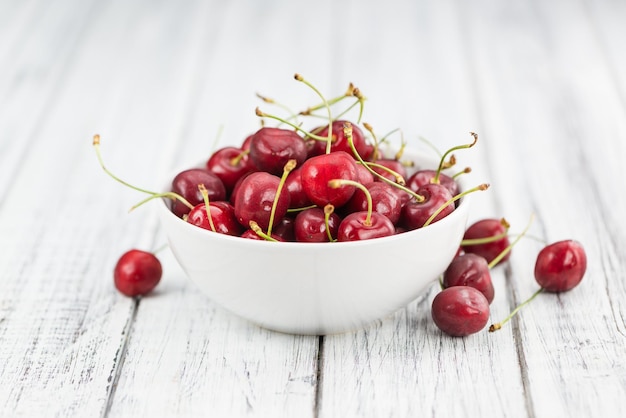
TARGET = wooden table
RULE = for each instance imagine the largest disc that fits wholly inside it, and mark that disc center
(542, 83)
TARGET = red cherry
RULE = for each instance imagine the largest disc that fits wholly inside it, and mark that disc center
(423, 177)
(222, 217)
(255, 198)
(561, 266)
(470, 270)
(355, 227)
(250, 234)
(394, 165)
(487, 228)
(318, 171)
(460, 311)
(340, 141)
(364, 176)
(297, 196)
(285, 229)
(271, 148)
(230, 164)
(137, 273)
(186, 184)
(310, 226)
(385, 200)
(415, 214)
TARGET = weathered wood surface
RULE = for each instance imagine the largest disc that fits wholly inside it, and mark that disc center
(543, 83)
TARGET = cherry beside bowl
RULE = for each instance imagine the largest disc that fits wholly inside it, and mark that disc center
(316, 288)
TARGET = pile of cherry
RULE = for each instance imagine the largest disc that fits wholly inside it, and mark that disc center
(332, 184)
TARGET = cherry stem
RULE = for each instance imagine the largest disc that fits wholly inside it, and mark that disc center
(347, 130)
(274, 102)
(507, 250)
(466, 170)
(336, 183)
(330, 116)
(257, 230)
(293, 210)
(349, 93)
(170, 195)
(262, 114)
(430, 145)
(207, 206)
(328, 210)
(290, 165)
(399, 179)
(479, 188)
(458, 147)
(237, 159)
(498, 325)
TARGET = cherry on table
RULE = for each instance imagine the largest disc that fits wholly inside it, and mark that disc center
(470, 270)
(487, 238)
(560, 266)
(137, 273)
(460, 311)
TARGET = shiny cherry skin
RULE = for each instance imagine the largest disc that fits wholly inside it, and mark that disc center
(230, 164)
(310, 225)
(394, 165)
(339, 141)
(354, 227)
(186, 184)
(561, 266)
(255, 198)
(222, 215)
(250, 234)
(318, 171)
(385, 201)
(470, 270)
(285, 229)
(271, 148)
(423, 177)
(364, 176)
(137, 273)
(460, 311)
(293, 184)
(415, 214)
(486, 228)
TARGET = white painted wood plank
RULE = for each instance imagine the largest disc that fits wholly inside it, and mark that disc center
(560, 123)
(404, 366)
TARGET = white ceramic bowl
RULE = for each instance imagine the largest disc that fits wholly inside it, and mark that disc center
(315, 288)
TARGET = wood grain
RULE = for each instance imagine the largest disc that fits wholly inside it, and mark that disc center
(164, 83)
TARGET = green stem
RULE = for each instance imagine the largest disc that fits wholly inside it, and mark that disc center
(454, 199)
(507, 250)
(498, 325)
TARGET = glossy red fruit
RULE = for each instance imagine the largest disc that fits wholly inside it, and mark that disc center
(470, 270)
(486, 228)
(222, 215)
(230, 164)
(423, 177)
(271, 148)
(385, 201)
(339, 140)
(355, 228)
(293, 184)
(460, 311)
(310, 226)
(186, 184)
(415, 214)
(393, 165)
(318, 171)
(561, 266)
(255, 198)
(137, 273)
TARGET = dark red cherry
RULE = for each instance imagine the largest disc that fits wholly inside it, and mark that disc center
(339, 140)
(423, 177)
(186, 184)
(385, 200)
(415, 214)
(354, 227)
(230, 164)
(364, 176)
(561, 266)
(255, 198)
(285, 229)
(250, 234)
(486, 228)
(137, 273)
(470, 270)
(460, 311)
(222, 216)
(293, 184)
(318, 171)
(310, 225)
(393, 165)
(271, 148)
